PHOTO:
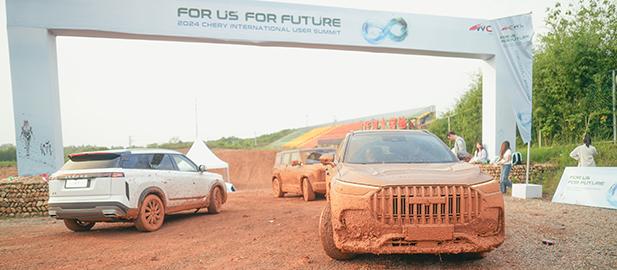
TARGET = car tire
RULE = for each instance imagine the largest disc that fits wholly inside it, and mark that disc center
(151, 214)
(276, 188)
(307, 190)
(326, 234)
(216, 201)
(78, 226)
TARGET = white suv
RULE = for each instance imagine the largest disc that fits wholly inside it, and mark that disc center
(131, 185)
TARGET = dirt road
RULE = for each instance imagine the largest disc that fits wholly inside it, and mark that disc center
(257, 231)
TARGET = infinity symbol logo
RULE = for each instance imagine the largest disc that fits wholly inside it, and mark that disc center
(395, 30)
(612, 195)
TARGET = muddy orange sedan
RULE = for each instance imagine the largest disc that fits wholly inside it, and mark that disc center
(404, 192)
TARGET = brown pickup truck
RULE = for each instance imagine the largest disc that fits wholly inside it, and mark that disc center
(300, 171)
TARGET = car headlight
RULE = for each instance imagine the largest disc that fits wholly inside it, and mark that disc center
(351, 188)
(488, 187)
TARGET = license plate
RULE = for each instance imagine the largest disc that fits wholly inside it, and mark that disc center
(78, 183)
(430, 233)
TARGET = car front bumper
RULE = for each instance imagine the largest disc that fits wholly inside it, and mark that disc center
(363, 225)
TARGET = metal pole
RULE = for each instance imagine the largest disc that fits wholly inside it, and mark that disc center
(196, 122)
(614, 117)
(528, 158)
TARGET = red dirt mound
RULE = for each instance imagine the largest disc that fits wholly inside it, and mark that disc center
(249, 169)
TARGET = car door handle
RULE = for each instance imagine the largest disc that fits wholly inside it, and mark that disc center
(165, 181)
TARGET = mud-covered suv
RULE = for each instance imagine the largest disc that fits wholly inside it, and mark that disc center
(141, 186)
(404, 192)
(300, 171)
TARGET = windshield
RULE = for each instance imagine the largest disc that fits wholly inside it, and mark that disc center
(312, 156)
(396, 147)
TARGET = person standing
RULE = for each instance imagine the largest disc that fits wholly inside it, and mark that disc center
(460, 148)
(505, 160)
(480, 156)
(585, 153)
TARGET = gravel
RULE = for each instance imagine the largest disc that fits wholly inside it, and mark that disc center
(257, 231)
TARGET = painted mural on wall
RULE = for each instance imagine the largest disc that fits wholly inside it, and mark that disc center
(26, 136)
(46, 149)
(33, 148)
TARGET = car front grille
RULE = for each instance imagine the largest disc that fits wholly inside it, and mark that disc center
(401, 205)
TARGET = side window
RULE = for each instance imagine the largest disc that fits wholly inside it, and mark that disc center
(295, 156)
(184, 164)
(340, 151)
(136, 161)
(286, 159)
(278, 159)
(162, 162)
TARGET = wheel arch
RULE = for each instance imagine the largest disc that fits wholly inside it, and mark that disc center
(277, 176)
(152, 190)
(223, 190)
(305, 177)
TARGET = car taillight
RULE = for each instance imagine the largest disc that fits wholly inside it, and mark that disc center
(88, 175)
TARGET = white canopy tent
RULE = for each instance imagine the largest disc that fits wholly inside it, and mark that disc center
(202, 155)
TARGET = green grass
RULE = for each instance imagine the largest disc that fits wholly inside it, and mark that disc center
(559, 155)
(8, 163)
(262, 141)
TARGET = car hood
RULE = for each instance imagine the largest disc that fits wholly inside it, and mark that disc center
(456, 173)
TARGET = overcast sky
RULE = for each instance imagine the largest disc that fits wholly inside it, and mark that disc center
(111, 89)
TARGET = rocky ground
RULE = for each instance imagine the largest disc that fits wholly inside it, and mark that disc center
(257, 231)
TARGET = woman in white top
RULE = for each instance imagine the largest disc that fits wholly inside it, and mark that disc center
(480, 156)
(585, 153)
(505, 160)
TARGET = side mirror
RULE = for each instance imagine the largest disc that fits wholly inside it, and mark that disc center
(327, 159)
(296, 163)
(202, 168)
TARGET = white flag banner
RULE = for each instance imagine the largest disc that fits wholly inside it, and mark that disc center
(515, 36)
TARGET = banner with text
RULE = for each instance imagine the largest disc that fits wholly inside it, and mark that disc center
(515, 36)
(589, 186)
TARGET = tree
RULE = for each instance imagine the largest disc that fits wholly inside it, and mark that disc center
(572, 93)
(465, 117)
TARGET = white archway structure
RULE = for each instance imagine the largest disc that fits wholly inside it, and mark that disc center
(34, 24)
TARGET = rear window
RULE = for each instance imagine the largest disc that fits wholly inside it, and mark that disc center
(147, 162)
(92, 161)
(312, 156)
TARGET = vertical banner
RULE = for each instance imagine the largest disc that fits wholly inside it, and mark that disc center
(515, 36)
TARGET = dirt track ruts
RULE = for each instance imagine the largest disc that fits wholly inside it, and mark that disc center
(257, 231)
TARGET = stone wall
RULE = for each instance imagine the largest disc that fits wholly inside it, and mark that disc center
(23, 197)
(517, 175)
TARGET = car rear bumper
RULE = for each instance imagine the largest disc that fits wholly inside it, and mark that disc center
(92, 211)
(319, 187)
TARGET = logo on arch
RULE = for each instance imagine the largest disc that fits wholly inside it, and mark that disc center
(395, 30)
(481, 28)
